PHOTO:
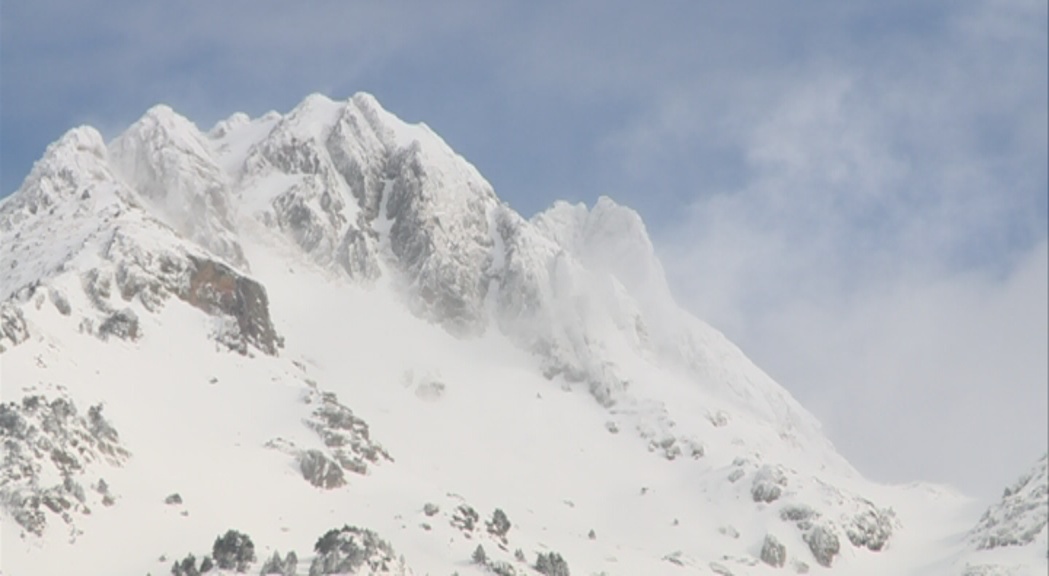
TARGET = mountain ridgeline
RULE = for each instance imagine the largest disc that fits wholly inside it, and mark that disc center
(333, 303)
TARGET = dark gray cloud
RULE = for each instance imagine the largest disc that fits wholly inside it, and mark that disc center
(855, 192)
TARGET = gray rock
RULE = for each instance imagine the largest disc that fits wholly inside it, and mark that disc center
(871, 528)
(345, 435)
(200, 280)
(13, 329)
(443, 246)
(60, 301)
(320, 470)
(218, 289)
(720, 569)
(823, 543)
(797, 513)
(123, 324)
(773, 552)
(768, 484)
(357, 254)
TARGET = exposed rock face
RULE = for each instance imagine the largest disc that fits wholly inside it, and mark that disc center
(43, 439)
(1020, 516)
(333, 183)
(773, 552)
(218, 289)
(13, 329)
(151, 276)
(361, 186)
(321, 471)
(445, 250)
(345, 434)
(157, 210)
(359, 144)
(348, 446)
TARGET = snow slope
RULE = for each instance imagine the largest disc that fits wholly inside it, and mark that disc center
(328, 317)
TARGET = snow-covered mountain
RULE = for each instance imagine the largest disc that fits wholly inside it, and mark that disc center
(323, 333)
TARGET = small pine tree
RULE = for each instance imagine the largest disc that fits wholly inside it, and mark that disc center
(551, 564)
(187, 567)
(275, 565)
(499, 525)
(479, 556)
(291, 563)
(233, 551)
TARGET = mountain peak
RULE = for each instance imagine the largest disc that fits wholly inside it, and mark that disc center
(162, 127)
(224, 127)
(610, 238)
(167, 160)
(163, 113)
(75, 161)
(480, 347)
(78, 150)
(81, 138)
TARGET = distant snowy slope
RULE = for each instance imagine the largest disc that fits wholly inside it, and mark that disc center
(1012, 536)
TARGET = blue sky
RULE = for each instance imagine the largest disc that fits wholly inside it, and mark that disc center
(854, 192)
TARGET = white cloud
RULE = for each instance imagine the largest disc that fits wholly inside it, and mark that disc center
(885, 256)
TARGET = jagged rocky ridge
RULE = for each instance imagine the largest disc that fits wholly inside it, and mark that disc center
(365, 194)
(156, 217)
(75, 216)
(109, 236)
